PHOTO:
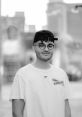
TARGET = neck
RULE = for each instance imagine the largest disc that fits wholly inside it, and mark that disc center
(42, 64)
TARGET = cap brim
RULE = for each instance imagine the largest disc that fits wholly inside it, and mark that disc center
(56, 38)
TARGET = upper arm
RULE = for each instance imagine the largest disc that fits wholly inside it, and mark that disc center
(18, 107)
(66, 87)
(18, 87)
(67, 109)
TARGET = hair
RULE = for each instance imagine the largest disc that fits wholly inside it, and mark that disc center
(44, 35)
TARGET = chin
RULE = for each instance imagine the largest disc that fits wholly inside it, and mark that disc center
(46, 59)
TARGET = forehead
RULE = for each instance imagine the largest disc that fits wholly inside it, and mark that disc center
(45, 42)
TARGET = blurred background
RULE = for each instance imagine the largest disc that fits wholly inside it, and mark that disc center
(19, 20)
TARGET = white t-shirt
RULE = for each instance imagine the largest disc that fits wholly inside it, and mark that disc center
(44, 91)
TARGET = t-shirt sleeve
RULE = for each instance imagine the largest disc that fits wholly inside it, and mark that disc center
(66, 87)
(17, 89)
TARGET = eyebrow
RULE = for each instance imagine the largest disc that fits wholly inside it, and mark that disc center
(45, 43)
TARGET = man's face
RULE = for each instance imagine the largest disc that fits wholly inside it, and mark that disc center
(44, 50)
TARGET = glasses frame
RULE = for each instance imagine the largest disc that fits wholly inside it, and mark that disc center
(45, 45)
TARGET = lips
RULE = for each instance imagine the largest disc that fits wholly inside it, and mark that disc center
(46, 54)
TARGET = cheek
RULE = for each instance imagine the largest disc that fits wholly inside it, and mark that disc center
(38, 52)
(51, 52)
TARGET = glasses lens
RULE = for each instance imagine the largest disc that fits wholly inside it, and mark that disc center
(41, 46)
(50, 46)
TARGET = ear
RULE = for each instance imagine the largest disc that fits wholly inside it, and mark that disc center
(33, 48)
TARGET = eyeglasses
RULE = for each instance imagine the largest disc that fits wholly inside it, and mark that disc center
(42, 46)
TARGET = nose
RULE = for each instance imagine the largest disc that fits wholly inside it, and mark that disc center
(46, 48)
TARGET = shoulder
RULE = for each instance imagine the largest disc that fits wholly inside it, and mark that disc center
(58, 71)
(23, 72)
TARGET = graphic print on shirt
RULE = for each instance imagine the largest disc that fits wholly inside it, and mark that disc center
(56, 82)
(45, 76)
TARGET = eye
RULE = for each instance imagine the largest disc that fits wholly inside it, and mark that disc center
(50, 46)
(41, 45)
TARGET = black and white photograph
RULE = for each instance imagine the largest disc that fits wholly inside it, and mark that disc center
(40, 58)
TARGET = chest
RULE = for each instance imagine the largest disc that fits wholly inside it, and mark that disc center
(46, 84)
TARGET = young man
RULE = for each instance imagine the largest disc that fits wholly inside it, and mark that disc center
(40, 89)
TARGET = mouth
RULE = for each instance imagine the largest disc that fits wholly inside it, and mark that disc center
(46, 54)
